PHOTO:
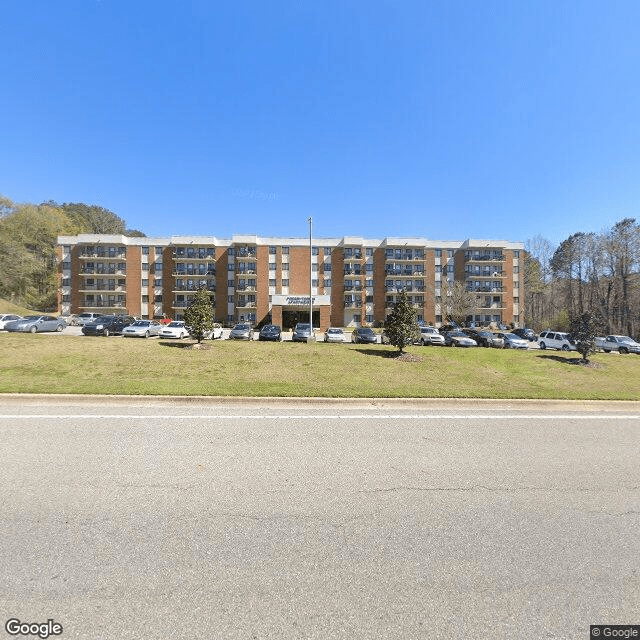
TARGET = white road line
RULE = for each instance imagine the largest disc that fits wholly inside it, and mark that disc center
(346, 416)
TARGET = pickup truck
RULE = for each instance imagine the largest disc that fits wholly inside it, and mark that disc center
(623, 344)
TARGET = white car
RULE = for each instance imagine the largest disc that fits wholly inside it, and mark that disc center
(333, 334)
(142, 329)
(430, 335)
(555, 340)
(215, 333)
(9, 317)
(176, 329)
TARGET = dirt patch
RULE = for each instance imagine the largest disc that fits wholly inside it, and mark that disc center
(405, 357)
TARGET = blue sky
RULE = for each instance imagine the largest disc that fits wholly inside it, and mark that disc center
(448, 119)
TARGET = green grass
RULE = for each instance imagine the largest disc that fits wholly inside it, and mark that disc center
(69, 364)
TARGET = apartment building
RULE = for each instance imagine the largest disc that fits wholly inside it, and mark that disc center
(352, 280)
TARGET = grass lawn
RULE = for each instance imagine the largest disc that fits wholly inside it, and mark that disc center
(79, 364)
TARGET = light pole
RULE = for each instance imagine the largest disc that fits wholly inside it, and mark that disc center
(310, 221)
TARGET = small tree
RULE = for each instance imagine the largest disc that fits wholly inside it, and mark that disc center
(583, 330)
(400, 326)
(460, 303)
(198, 314)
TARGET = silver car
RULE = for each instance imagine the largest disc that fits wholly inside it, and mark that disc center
(241, 331)
(8, 317)
(142, 329)
(301, 332)
(513, 341)
(333, 334)
(36, 324)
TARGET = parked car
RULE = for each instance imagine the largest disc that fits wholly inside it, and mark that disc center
(430, 336)
(525, 333)
(364, 335)
(71, 320)
(458, 339)
(622, 344)
(36, 324)
(241, 331)
(215, 333)
(83, 318)
(485, 338)
(271, 332)
(555, 340)
(8, 317)
(142, 329)
(334, 334)
(107, 326)
(176, 329)
(513, 341)
(301, 332)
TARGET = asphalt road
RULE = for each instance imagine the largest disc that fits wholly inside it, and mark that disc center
(125, 519)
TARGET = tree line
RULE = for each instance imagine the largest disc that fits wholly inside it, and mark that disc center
(28, 238)
(587, 272)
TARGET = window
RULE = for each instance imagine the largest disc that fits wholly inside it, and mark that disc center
(230, 266)
(66, 282)
(438, 253)
(357, 317)
(314, 267)
(158, 251)
(272, 282)
(314, 251)
(66, 265)
(327, 251)
(327, 267)
(231, 251)
(145, 251)
(145, 267)
(285, 282)
(516, 253)
(389, 253)
(369, 299)
(438, 268)
(516, 269)
(230, 299)
(369, 267)
(449, 253)
(272, 250)
(285, 266)
(285, 250)
(327, 282)
(158, 297)
(369, 318)
(314, 283)
(158, 282)
(230, 283)
(145, 298)
(272, 266)
(369, 251)
(145, 282)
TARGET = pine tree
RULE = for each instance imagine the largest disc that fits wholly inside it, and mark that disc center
(400, 326)
(583, 331)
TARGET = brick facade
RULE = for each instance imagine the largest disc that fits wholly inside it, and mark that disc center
(358, 279)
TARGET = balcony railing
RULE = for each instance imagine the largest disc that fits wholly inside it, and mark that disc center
(101, 304)
(193, 287)
(193, 255)
(485, 257)
(84, 255)
(95, 287)
(485, 274)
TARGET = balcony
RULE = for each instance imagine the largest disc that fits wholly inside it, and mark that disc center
(193, 273)
(102, 255)
(244, 254)
(245, 305)
(484, 257)
(193, 254)
(246, 287)
(193, 287)
(485, 274)
(101, 304)
(95, 287)
(484, 289)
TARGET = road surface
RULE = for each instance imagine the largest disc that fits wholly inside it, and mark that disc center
(197, 519)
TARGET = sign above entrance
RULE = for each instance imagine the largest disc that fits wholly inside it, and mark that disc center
(299, 301)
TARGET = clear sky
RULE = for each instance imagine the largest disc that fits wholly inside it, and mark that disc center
(446, 119)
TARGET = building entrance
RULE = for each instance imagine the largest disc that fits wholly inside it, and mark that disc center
(291, 317)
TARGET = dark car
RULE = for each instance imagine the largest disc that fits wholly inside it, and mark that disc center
(525, 333)
(485, 338)
(270, 332)
(107, 326)
(364, 335)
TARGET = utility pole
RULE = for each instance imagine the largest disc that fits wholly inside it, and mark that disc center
(310, 221)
